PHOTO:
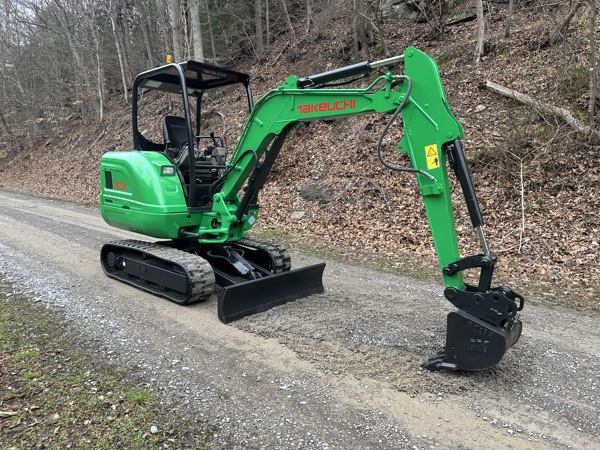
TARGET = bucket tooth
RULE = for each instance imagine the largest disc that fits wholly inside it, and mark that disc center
(473, 344)
(259, 295)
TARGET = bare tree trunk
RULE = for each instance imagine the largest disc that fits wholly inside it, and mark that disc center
(142, 16)
(480, 32)
(376, 23)
(593, 76)
(164, 23)
(310, 20)
(433, 12)
(121, 58)
(64, 17)
(64, 20)
(122, 32)
(99, 63)
(175, 22)
(196, 31)
(112, 13)
(360, 30)
(6, 128)
(560, 31)
(258, 28)
(509, 17)
(267, 23)
(210, 31)
(186, 31)
(5, 39)
(288, 21)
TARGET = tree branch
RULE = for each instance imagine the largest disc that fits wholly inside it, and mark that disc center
(564, 114)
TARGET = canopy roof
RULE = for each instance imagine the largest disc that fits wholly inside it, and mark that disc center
(198, 77)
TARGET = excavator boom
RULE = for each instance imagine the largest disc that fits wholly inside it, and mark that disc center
(205, 206)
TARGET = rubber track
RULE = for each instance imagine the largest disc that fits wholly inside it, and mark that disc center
(280, 257)
(197, 269)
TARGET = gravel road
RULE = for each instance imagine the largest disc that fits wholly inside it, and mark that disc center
(339, 370)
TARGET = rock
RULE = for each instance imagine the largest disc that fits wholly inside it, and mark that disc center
(399, 9)
(316, 192)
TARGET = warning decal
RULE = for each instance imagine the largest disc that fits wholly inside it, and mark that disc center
(433, 159)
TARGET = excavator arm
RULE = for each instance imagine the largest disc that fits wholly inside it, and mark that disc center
(487, 322)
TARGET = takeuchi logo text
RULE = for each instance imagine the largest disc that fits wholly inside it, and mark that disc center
(339, 105)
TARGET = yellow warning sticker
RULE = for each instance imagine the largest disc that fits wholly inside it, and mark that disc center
(432, 155)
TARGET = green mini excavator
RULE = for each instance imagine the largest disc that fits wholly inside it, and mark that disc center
(199, 200)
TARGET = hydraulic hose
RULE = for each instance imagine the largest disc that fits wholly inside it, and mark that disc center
(386, 129)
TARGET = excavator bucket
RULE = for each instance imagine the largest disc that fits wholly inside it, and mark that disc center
(250, 297)
(473, 344)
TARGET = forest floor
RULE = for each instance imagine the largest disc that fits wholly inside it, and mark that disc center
(536, 179)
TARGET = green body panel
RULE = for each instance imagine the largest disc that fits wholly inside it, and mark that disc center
(145, 201)
(141, 199)
(155, 205)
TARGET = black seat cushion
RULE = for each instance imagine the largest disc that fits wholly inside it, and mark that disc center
(174, 131)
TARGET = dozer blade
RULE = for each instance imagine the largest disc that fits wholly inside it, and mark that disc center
(473, 344)
(254, 296)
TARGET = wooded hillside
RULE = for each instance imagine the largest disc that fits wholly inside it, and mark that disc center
(67, 67)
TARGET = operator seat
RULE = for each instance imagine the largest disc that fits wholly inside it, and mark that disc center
(176, 138)
(174, 131)
(176, 148)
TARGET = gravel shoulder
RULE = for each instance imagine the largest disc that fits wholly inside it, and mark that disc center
(334, 371)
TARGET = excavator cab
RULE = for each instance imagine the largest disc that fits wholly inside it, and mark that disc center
(198, 157)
